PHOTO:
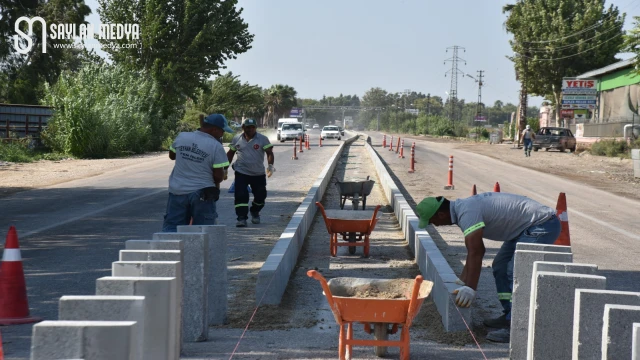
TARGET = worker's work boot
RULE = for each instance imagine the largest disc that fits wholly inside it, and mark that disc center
(255, 219)
(500, 336)
(498, 323)
(241, 223)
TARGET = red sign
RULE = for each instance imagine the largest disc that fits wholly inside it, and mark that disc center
(256, 146)
(567, 113)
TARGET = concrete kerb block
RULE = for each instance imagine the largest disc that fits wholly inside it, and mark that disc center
(218, 273)
(636, 342)
(588, 319)
(95, 340)
(635, 157)
(196, 283)
(543, 247)
(108, 308)
(551, 312)
(160, 269)
(521, 296)
(157, 293)
(617, 331)
(154, 245)
(151, 255)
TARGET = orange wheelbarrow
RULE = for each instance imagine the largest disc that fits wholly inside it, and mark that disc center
(354, 226)
(354, 300)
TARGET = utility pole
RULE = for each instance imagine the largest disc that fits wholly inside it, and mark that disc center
(479, 105)
(428, 112)
(453, 92)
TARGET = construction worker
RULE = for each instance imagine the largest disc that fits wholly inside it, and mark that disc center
(194, 184)
(495, 216)
(527, 137)
(251, 147)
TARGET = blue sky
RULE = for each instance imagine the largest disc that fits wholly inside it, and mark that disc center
(330, 47)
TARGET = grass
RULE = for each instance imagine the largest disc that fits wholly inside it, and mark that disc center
(614, 148)
(20, 152)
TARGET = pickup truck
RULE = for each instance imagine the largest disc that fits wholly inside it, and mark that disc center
(554, 138)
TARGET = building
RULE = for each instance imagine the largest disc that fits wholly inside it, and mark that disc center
(618, 101)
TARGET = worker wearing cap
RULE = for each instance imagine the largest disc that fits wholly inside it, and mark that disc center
(527, 139)
(495, 216)
(251, 148)
(194, 184)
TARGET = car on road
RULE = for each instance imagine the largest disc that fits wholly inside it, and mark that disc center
(341, 130)
(316, 126)
(554, 138)
(332, 132)
(290, 131)
(234, 125)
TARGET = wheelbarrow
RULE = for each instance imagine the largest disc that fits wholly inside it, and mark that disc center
(354, 190)
(354, 226)
(382, 305)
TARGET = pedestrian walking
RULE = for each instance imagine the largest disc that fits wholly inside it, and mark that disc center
(251, 148)
(527, 138)
(194, 184)
(495, 216)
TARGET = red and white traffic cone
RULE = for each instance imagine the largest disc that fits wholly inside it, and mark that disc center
(450, 179)
(384, 141)
(14, 306)
(320, 141)
(398, 145)
(412, 169)
(496, 187)
(301, 151)
(401, 150)
(474, 191)
(295, 147)
(391, 144)
(561, 211)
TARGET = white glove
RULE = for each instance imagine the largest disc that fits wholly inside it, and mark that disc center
(460, 282)
(465, 296)
(270, 170)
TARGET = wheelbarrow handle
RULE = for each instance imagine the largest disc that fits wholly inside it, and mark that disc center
(327, 292)
(413, 304)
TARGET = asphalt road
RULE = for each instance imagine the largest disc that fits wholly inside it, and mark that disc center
(605, 228)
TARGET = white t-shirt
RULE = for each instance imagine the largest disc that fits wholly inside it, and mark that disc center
(197, 154)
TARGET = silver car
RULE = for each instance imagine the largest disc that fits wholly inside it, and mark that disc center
(332, 132)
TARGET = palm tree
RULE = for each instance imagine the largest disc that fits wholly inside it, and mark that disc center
(279, 100)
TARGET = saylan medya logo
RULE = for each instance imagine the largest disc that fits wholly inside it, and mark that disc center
(71, 32)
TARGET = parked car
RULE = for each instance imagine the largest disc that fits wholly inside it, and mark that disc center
(554, 138)
(330, 132)
(234, 125)
(316, 126)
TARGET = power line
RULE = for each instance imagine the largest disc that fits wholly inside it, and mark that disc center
(589, 28)
(568, 46)
(570, 56)
(454, 72)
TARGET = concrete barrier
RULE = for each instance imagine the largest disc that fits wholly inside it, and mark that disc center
(274, 274)
(430, 260)
(157, 293)
(617, 331)
(160, 269)
(94, 340)
(154, 245)
(543, 247)
(588, 319)
(551, 311)
(521, 297)
(196, 283)
(107, 308)
(151, 255)
(636, 342)
(218, 279)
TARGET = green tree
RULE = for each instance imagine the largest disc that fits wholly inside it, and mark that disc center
(181, 43)
(548, 46)
(279, 100)
(227, 95)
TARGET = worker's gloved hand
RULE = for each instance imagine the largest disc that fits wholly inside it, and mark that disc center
(270, 170)
(226, 172)
(465, 296)
(460, 282)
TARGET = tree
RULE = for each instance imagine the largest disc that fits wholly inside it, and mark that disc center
(227, 95)
(549, 47)
(375, 97)
(279, 100)
(181, 43)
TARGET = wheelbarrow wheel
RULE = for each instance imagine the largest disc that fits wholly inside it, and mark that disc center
(352, 238)
(380, 332)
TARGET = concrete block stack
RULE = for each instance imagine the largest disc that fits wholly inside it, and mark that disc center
(553, 297)
(159, 295)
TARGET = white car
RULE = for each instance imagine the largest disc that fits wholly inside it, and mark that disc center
(316, 126)
(290, 131)
(330, 132)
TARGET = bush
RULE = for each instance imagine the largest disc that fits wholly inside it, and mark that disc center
(103, 111)
(21, 152)
(613, 148)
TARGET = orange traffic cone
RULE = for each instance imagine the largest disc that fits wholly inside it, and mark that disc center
(561, 212)
(496, 187)
(1, 351)
(14, 307)
(473, 190)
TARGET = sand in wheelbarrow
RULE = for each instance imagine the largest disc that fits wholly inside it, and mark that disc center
(374, 288)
